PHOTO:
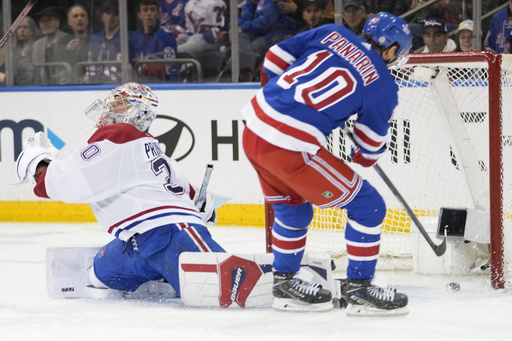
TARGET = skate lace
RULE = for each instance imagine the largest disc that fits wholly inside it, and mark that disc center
(307, 288)
(385, 294)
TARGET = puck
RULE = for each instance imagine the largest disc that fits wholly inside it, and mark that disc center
(453, 286)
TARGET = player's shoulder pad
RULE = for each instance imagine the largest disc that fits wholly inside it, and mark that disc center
(118, 133)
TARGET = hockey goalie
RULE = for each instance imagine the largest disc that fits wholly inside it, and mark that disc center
(161, 244)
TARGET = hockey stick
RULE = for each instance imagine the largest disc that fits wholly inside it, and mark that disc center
(17, 22)
(438, 249)
(201, 200)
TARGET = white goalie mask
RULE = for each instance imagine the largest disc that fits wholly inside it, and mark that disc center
(131, 103)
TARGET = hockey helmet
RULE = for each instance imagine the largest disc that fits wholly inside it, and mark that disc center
(385, 30)
(131, 103)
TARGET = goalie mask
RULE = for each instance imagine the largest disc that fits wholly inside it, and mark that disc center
(386, 30)
(131, 103)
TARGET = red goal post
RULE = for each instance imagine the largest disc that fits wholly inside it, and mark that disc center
(435, 163)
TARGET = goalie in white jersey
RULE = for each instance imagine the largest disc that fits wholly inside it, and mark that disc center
(136, 192)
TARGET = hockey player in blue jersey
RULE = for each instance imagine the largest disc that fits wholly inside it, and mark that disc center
(313, 83)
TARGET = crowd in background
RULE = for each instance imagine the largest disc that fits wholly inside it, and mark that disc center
(77, 42)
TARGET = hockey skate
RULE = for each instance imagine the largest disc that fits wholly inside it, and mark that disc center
(367, 299)
(294, 294)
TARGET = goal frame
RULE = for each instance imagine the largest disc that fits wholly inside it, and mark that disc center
(493, 62)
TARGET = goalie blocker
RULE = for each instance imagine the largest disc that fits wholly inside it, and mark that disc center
(206, 279)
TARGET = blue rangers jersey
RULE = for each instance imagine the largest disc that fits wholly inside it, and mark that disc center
(499, 32)
(161, 44)
(316, 81)
(172, 17)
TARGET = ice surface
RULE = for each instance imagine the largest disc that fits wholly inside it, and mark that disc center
(476, 312)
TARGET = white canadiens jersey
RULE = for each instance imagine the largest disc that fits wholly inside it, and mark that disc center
(203, 15)
(131, 186)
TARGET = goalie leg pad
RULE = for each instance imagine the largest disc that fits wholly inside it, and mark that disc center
(69, 275)
(67, 270)
(240, 280)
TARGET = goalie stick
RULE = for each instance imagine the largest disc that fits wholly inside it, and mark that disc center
(438, 249)
(202, 191)
(17, 22)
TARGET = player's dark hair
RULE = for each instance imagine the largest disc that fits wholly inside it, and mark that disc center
(78, 5)
(147, 3)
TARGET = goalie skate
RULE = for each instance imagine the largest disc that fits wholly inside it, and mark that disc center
(367, 299)
(292, 293)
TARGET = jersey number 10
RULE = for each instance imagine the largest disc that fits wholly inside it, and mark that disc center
(330, 86)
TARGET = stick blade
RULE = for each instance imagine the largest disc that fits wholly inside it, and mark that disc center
(441, 248)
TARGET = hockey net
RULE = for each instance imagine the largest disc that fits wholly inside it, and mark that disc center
(439, 157)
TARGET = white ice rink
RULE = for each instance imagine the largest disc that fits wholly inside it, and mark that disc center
(477, 312)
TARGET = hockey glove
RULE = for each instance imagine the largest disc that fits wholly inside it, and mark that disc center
(27, 162)
(367, 159)
(37, 149)
(40, 140)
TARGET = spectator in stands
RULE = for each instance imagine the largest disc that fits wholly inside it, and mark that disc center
(205, 27)
(25, 72)
(51, 48)
(485, 7)
(386, 5)
(172, 16)
(261, 24)
(435, 36)
(313, 13)
(402, 6)
(106, 46)
(294, 9)
(498, 37)
(354, 15)
(449, 11)
(77, 47)
(465, 36)
(26, 34)
(152, 43)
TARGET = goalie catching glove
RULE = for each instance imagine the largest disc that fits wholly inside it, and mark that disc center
(36, 149)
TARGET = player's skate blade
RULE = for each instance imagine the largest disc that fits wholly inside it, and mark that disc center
(359, 310)
(288, 304)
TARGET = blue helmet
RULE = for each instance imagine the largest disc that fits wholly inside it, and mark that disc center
(386, 30)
